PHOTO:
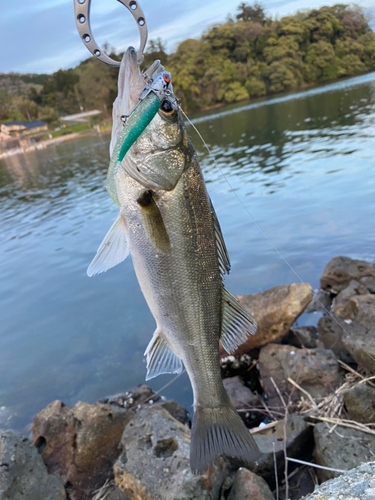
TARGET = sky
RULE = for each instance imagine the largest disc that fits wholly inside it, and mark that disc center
(40, 36)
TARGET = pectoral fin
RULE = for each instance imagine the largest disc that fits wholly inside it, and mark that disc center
(153, 221)
(160, 358)
(113, 249)
(236, 323)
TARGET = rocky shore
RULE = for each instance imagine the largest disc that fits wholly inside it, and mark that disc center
(306, 393)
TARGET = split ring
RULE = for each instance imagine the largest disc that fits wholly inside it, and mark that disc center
(82, 13)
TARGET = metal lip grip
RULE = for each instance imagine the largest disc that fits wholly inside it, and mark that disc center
(82, 14)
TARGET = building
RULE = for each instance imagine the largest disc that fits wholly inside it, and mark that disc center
(16, 127)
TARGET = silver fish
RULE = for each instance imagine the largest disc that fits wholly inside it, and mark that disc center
(168, 224)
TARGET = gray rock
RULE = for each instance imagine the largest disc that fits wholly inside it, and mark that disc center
(298, 434)
(368, 282)
(315, 370)
(330, 334)
(274, 310)
(249, 486)
(343, 448)
(357, 484)
(340, 301)
(340, 271)
(321, 302)
(240, 395)
(154, 464)
(304, 336)
(177, 411)
(23, 475)
(359, 335)
(360, 403)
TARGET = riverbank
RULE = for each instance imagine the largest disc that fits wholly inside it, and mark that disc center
(57, 140)
(303, 392)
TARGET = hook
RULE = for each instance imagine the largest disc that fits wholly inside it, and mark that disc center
(82, 13)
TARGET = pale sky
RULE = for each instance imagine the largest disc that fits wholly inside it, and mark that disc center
(39, 36)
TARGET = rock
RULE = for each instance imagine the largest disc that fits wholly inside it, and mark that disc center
(356, 484)
(340, 301)
(360, 403)
(154, 464)
(80, 442)
(23, 474)
(240, 395)
(109, 491)
(368, 282)
(177, 411)
(359, 333)
(232, 366)
(340, 271)
(131, 399)
(321, 302)
(330, 335)
(304, 336)
(275, 310)
(315, 370)
(343, 448)
(298, 441)
(249, 486)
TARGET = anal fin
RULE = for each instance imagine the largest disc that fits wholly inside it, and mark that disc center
(113, 249)
(160, 358)
(236, 323)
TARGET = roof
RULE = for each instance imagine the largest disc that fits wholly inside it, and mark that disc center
(10, 124)
(35, 123)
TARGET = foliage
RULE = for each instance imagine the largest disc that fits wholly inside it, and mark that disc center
(236, 60)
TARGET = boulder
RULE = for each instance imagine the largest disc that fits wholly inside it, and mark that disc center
(23, 474)
(304, 336)
(342, 298)
(360, 403)
(342, 448)
(330, 334)
(274, 310)
(249, 486)
(321, 302)
(154, 463)
(298, 441)
(340, 271)
(315, 370)
(177, 411)
(80, 442)
(240, 395)
(359, 333)
(356, 484)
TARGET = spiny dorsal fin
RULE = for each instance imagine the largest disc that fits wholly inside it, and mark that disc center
(220, 244)
(160, 358)
(113, 249)
(236, 323)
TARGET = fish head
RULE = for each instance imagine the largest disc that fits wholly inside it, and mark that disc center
(157, 157)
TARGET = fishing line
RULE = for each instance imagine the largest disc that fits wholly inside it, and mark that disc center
(261, 230)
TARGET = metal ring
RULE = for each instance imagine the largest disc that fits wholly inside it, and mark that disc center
(82, 13)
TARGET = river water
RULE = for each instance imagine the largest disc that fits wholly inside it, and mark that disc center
(294, 180)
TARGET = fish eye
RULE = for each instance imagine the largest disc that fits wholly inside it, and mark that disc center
(166, 106)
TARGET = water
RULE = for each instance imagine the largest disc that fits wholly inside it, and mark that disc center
(300, 165)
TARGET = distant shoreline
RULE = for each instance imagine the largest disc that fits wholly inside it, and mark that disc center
(49, 142)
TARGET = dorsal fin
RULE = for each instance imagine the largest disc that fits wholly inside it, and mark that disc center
(220, 244)
(236, 323)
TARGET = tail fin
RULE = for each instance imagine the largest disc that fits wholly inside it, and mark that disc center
(219, 431)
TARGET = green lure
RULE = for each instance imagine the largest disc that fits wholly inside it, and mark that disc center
(137, 122)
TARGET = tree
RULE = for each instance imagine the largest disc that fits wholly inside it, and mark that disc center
(253, 13)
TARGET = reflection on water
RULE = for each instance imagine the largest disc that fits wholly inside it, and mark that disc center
(300, 165)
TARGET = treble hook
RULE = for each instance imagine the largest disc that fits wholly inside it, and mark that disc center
(82, 13)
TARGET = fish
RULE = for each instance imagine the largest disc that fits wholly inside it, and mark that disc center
(168, 225)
